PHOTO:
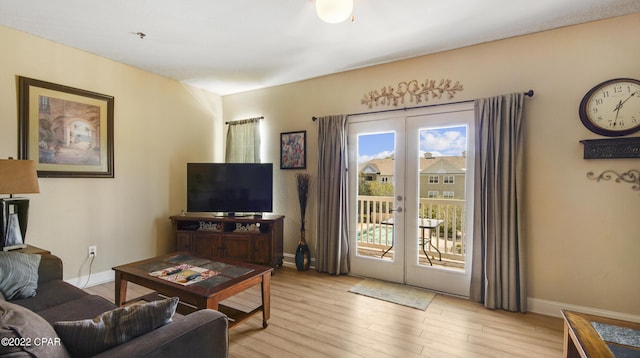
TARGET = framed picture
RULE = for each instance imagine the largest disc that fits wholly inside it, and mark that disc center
(293, 150)
(68, 132)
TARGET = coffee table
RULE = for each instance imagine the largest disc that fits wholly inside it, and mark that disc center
(230, 278)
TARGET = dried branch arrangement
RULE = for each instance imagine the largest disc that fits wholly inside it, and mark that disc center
(303, 180)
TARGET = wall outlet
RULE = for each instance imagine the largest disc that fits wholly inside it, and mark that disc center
(93, 251)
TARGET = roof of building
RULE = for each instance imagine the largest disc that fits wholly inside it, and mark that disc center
(432, 165)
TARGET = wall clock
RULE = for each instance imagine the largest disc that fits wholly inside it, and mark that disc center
(612, 108)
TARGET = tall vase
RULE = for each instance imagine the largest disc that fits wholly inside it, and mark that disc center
(303, 255)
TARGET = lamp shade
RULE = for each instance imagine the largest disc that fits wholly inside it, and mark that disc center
(334, 11)
(18, 177)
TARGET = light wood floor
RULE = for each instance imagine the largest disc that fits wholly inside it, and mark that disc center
(313, 315)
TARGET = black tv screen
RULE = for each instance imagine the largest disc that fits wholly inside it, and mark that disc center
(230, 187)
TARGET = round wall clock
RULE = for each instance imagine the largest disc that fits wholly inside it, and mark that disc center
(612, 108)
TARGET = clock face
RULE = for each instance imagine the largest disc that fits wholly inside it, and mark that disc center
(612, 108)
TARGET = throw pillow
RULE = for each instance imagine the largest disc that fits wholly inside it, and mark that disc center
(89, 337)
(18, 275)
(24, 333)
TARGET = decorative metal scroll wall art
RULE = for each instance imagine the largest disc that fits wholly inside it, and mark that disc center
(390, 96)
(632, 177)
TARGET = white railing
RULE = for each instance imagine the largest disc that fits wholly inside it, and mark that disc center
(372, 212)
(372, 232)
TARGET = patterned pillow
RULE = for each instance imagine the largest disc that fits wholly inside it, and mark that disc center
(18, 275)
(91, 336)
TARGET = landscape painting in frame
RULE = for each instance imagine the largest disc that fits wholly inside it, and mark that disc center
(68, 132)
(293, 151)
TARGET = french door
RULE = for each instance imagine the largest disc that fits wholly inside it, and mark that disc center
(410, 196)
(377, 197)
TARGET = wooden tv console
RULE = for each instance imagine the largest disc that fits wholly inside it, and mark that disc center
(254, 239)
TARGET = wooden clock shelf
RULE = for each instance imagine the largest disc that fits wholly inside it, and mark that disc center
(254, 239)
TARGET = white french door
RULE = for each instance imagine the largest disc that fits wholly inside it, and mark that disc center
(377, 198)
(411, 198)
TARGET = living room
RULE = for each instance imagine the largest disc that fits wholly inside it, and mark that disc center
(582, 235)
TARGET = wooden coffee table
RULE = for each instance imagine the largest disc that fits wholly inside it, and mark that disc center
(233, 277)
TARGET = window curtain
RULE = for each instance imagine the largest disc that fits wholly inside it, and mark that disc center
(332, 219)
(497, 272)
(243, 141)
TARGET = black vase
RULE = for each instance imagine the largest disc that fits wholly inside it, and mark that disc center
(303, 255)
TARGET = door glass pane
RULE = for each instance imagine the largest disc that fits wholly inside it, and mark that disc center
(441, 196)
(375, 197)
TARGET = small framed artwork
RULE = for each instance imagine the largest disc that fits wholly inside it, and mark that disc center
(293, 150)
(68, 132)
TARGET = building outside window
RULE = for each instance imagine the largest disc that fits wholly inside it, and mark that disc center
(434, 179)
(433, 194)
(448, 195)
(448, 179)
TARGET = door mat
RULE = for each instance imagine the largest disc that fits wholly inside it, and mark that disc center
(395, 293)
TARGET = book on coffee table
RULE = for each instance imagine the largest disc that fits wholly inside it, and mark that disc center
(184, 274)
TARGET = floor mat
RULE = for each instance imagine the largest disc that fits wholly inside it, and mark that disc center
(396, 293)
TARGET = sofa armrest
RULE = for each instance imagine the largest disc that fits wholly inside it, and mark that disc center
(203, 333)
(50, 268)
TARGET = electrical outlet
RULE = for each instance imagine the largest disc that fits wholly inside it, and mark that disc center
(93, 251)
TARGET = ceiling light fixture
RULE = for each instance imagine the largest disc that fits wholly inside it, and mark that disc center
(334, 11)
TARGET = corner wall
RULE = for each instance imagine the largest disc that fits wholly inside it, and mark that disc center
(582, 236)
(160, 124)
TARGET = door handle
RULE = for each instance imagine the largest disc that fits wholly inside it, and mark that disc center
(398, 209)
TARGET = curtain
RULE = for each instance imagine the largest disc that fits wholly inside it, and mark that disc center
(243, 141)
(497, 272)
(332, 219)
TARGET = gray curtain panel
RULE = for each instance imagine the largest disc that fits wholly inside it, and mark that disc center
(332, 224)
(243, 141)
(497, 271)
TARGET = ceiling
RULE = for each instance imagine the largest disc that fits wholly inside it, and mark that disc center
(230, 46)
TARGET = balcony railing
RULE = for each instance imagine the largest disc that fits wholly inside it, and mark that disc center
(376, 236)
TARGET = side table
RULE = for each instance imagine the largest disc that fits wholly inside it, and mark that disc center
(582, 340)
(33, 250)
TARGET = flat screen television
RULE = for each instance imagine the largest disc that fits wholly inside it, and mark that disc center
(230, 188)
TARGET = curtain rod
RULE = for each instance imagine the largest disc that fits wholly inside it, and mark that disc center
(529, 93)
(247, 119)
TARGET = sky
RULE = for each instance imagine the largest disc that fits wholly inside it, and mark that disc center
(438, 141)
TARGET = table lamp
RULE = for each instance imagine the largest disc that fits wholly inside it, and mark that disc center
(16, 177)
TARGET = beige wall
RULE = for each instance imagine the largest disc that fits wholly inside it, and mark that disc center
(582, 237)
(160, 124)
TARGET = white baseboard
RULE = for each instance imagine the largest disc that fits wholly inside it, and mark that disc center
(535, 305)
(94, 279)
(99, 278)
(552, 308)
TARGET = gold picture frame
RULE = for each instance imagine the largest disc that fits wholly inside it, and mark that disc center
(67, 131)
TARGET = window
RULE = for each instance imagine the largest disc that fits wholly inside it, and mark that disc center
(243, 141)
(433, 194)
(448, 179)
(434, 179)
(44, 104)
(448, 195)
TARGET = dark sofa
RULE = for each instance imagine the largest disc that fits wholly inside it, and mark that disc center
(202, 333)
